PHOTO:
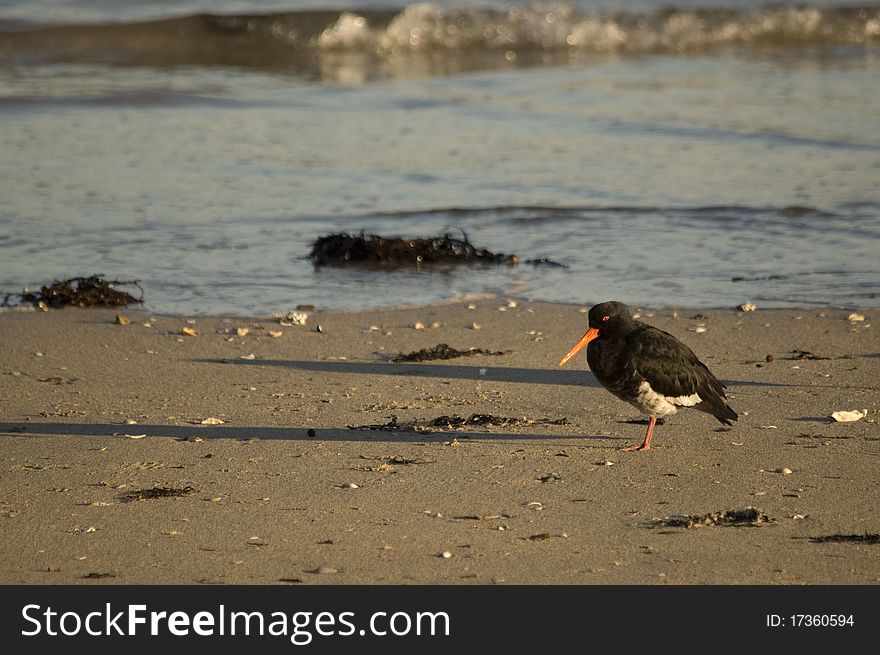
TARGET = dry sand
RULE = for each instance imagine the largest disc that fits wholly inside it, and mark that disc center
(266, 501)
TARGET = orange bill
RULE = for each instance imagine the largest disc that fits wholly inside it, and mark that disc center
(591, 334)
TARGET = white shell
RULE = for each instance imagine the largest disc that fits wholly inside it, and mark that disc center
(850, 415)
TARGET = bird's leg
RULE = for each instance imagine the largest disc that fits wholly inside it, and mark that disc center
(646, 444)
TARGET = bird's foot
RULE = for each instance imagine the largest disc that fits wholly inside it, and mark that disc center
(643, 446)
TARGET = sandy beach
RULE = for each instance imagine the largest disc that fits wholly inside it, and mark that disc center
(113, 473)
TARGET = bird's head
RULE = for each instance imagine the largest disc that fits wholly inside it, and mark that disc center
(606, 319)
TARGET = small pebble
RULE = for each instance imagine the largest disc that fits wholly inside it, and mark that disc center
(445, 554)
(350, 485)
(419, 326)
(311, 432)
(190, 332)
(783, 470)
(122, 319)
(475, 326)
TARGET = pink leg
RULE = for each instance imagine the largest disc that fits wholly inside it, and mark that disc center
(646, 444)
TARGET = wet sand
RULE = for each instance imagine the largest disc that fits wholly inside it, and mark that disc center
(283, 491)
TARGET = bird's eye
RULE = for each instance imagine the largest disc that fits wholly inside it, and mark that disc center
(605, 318)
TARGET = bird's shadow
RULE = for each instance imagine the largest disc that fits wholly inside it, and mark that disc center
(562, 377)
(292, 433)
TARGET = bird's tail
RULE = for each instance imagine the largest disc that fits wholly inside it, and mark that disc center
(726, 415)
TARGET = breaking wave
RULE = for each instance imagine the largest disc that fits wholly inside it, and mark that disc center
(297, 39)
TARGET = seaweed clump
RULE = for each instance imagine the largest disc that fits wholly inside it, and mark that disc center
(92, 291)
(156, 492)
(748, 516)
(867, 538)
(341, 249)
(443, 351)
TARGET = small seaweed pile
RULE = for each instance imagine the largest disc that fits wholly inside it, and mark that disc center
(341, 249)
(156, 492)
(454, 421)
(92, 291)
(489, 419)
(867, 538)
(443, 351)
(748, 516)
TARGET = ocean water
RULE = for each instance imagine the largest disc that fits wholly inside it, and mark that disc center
(668, 153)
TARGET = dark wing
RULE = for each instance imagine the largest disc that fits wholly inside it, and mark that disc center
(672, 369)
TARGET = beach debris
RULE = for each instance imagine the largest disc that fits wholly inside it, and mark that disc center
(444, 351)
(535, 505)
(122, 319)
(92, 291)
(418, 326)
(190, 332)
(135, 436)
(445, 554)
(747, 307)
(855, 317)
(212, 421)
(798, 355)
(867, 538)
(343, 249)
(276, 333)
(746, 517)
(349, 485)
(454, 421)
(700, 329)
(782, 470)
(846, 416)
(543, 536)
(156, 492)
(292, 318)
(476, 326)
(397, 460)
(249, 357)
(242, 331)
(391, 426)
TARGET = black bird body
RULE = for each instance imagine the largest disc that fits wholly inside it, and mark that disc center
(648, 368)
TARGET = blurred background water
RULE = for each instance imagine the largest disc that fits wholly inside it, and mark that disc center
(689, 154)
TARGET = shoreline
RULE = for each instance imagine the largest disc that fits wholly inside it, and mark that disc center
(258, 500)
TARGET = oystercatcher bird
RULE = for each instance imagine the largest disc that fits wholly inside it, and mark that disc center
(648, 368)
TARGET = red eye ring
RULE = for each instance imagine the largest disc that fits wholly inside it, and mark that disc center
(605, 318)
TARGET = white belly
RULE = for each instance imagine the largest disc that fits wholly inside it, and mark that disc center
(652, 403)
